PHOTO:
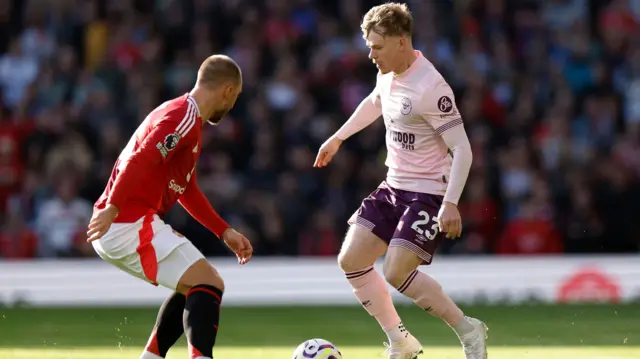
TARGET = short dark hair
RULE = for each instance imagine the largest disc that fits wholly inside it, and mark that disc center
(390, 19)
(217, 70)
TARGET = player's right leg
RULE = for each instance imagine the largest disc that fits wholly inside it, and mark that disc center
(364, 243)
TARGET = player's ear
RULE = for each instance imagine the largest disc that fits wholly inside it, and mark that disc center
(403, 42)
(228, 91)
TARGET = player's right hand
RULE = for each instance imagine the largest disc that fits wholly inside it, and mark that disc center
(239, 244)
(327, 151)
(101, 222)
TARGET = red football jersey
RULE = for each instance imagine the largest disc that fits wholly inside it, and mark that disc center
(160, 161)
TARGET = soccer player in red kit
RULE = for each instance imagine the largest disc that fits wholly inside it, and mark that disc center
(154, 171)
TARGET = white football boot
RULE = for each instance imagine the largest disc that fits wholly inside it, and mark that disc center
(474, 344)
(407, 348)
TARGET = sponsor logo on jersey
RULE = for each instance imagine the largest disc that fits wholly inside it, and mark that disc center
(175, 187)
(171, 141)
(406, 140)
(163, 150)
(445, 104)
(406, 106)
(454, 113)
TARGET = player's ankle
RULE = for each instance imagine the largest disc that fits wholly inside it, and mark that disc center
(463, 327)
(397, 332)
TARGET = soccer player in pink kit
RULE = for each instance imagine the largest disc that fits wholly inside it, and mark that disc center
(412, 211)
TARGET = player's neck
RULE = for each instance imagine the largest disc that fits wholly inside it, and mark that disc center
(205, 111)
(408, 60)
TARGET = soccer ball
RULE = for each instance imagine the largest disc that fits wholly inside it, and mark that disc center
(316, 349)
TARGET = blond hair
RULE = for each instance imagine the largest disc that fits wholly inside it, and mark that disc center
(217, 70)
(390, 19)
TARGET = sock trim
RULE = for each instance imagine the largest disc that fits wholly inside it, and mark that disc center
(152, 345)
(194, 352)
(358, 274)
(407, 282)
(213, 291)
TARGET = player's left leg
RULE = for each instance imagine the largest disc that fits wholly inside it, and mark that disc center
(168, 328)
(412, 245)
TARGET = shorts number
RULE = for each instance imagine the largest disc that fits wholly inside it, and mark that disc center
(425, 220)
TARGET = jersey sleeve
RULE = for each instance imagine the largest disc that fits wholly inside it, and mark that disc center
(198, 206)
(171, 132)
(439, 108)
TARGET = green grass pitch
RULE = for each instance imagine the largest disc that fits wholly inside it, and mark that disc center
(519, 332)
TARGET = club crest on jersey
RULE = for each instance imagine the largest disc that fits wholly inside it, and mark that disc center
(445, 104)
(406, 106)
(171, 141)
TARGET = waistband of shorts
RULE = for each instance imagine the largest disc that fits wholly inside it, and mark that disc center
(428, 187)
(131, 213)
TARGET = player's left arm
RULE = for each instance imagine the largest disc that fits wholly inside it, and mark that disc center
(442, 113)
(457, 141)
(198, 206)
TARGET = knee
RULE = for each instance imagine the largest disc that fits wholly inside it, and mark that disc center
(346, 263)
(201, 273)
(394, 275)
(210, 276)
(217, 281)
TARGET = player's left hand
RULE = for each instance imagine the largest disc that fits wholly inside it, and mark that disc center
(449, 220)
(239, 244)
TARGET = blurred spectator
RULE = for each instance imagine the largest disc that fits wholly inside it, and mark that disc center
(61, 221)
(529, 234)
(17, 241)
(549, 92)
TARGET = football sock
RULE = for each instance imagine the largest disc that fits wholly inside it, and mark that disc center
(371, 290)
(168, 327)
(428, 295)
(201, 316)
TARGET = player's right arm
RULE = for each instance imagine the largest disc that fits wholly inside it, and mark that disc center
(166, 137)
(369, 110)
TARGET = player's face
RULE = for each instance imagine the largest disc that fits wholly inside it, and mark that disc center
(229, 97)
(383, 50)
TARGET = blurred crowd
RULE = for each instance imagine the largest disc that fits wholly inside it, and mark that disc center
(549, 91)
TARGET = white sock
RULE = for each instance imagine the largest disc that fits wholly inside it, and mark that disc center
(464, 327)
(397, 332)
(149, 355)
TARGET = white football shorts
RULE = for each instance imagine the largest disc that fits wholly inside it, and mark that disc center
(148, 249)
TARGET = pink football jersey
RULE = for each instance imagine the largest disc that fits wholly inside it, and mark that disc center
(417, 106)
